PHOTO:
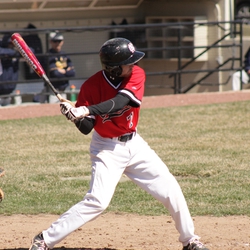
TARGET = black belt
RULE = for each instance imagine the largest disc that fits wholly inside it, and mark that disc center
(125, 138)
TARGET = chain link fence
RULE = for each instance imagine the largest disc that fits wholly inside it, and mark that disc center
(179, 56)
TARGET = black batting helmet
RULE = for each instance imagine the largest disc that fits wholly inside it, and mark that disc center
(116, 52)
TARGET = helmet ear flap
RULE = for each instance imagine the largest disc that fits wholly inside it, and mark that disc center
(114, 71)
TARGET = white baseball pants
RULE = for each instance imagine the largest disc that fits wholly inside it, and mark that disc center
(110, 159)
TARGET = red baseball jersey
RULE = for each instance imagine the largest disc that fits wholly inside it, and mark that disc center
(98, 89)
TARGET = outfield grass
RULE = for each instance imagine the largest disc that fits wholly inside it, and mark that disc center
(205, 146)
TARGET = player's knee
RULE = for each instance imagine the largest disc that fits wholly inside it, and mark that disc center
(95, 204)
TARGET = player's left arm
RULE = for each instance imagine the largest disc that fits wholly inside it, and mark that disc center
(86, 124)
(131, 94)
(112, 105)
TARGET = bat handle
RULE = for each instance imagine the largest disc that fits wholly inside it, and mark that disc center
(46, 79)
(59, 97)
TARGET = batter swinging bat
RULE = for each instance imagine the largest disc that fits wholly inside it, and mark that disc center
(33, 62)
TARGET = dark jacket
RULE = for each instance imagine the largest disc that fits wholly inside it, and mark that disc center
(60, 61)
(10, 66)
(247, 61)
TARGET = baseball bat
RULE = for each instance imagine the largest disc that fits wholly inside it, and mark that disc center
(33, 62)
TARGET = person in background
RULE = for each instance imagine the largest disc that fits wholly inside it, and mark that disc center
(243, 75)
(59, 66)
(34, 42)
(9, 69)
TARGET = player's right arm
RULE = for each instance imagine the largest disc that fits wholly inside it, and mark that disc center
(85, 125)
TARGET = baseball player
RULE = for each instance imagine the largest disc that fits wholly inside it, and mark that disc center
(109, 102)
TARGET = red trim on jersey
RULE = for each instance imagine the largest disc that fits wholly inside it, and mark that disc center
(99, 89)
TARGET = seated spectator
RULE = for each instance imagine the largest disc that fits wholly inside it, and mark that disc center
(60, 66)
(243, 75)
(10, 67)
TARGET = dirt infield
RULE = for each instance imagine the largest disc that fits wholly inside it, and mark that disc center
(125, 231)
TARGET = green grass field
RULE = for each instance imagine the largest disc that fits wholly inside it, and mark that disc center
(205, 146)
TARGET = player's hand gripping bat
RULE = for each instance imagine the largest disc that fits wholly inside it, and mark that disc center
(33, 62)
